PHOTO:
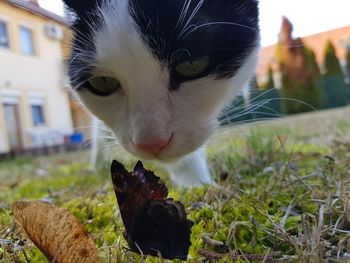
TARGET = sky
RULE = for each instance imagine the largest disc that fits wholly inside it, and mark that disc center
(308, 16)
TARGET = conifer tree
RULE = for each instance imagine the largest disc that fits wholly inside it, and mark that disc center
(270, 84)
(331, 62)
(311, 62)
(348, 60)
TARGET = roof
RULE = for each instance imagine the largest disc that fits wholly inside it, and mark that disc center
(340, 38)
(36, 9)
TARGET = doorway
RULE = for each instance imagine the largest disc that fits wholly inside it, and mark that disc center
(13, 126)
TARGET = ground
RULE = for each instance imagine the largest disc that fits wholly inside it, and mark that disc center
(281, 195)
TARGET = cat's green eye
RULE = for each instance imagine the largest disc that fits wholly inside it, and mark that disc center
(192, 68)
(103, 86)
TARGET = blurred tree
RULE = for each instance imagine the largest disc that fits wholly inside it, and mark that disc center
(254, 85)
(270, 84)
(311, 63)
(335, 90)
(298, 69)
(331, 62)
(348, 60)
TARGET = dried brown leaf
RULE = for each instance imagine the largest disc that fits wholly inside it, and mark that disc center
(56, 232)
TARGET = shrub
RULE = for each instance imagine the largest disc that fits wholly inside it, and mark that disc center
(302, 99)
(334, 91)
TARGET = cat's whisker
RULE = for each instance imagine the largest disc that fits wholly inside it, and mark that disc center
(230, 109)
(236, 126)
(252, 102)
(246, 107)
(246, 123)
(195, 27)
(80, 36)
(102, 142)
(76, 85)
(80, 62)
(107, 148)
(87, 144)
(231, 120)
(264, 93)
(251, 109)
(195, 11)
(183, 13)
(100, 128)
(270, 115)
(192, 27)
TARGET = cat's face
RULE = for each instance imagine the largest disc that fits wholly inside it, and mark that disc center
(158, 72)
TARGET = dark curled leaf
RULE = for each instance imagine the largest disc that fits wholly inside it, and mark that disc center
(154, 224)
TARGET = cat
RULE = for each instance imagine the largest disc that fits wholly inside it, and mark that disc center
(159, 72)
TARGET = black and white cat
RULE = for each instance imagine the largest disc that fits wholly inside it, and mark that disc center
(158, 72)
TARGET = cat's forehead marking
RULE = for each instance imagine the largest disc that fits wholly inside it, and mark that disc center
(226, 31)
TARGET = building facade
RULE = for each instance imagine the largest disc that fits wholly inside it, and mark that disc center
(34, 102)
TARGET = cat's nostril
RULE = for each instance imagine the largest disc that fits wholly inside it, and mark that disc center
(154, 147)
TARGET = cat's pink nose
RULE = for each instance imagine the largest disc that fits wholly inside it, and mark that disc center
(154, 147)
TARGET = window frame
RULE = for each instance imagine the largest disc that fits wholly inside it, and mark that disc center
(32, 38)
(6, 26)
(42, 118)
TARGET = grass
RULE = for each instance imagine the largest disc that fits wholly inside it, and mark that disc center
(282, 195)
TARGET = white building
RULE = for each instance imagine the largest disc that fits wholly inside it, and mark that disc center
(34, 103)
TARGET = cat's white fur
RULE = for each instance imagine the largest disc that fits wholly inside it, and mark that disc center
(147, 110)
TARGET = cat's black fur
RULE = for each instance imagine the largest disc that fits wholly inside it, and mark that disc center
(232, 35)
(226, 42)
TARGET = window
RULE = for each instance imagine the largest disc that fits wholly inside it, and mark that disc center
(4, 38)
(38, 115)
(27, 44)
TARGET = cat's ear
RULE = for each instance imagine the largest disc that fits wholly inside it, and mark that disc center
(81, 8)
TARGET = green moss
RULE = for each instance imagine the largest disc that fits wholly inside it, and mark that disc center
(261, 173)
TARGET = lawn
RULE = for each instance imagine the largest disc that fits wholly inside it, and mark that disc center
(281, 195)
